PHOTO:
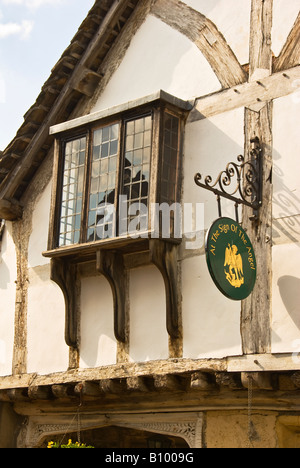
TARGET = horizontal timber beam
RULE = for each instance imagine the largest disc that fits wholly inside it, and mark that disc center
(253, 95)
(251, 363)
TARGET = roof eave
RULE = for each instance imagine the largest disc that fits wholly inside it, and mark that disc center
(74, 76)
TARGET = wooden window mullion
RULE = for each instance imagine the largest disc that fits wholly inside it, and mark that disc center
(86, 190)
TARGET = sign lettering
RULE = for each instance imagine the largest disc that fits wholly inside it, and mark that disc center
(231, 259)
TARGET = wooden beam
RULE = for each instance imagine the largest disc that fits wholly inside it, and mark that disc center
(9, 210)
(64, 274)
(89, 389)
(260, 64)
(206, 36)
(164, 255)
(232, 381)
(18, 394)
(137, 384)
(260, 380)
(296, 379)
(118, 371)
(113, 386)
(290, 54)
(256, 310)
(202, 381)
(167, 382)
(63, 391)
(247, 95)
(37, 392)
(111, 266)
(88, 82)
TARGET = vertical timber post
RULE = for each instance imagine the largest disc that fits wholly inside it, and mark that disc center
(256, 310)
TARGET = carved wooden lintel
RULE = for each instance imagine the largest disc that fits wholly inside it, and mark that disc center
(111, 265)
(64, 274)
(165, 256)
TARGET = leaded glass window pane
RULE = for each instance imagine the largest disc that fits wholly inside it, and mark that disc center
(102, 196)
(72, 192)
(136, 172)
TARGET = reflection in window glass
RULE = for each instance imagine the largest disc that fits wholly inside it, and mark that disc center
(136, 173)
(73, 183)
(101, 220)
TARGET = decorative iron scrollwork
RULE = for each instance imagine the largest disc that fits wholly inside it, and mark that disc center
(240, 183)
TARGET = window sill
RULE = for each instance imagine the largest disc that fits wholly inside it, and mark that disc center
(125, 244)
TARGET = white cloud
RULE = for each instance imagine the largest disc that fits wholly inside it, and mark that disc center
(22, 29)
(32, 3)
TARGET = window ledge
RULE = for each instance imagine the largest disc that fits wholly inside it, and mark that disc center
(102, 114)
(125, 244)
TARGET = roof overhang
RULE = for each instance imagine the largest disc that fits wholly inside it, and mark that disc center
(73, 81)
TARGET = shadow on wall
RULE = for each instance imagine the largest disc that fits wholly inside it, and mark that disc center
(286, 204)
(289, 288)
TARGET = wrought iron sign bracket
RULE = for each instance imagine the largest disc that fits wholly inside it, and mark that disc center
(240, 183)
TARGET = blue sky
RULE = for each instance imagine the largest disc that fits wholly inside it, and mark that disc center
(33, 35)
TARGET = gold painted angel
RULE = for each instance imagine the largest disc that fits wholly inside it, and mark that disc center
(234, 267)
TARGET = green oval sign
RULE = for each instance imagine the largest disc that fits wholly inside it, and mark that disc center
(231, 259)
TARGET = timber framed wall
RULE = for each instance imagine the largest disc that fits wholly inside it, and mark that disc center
(206, 367)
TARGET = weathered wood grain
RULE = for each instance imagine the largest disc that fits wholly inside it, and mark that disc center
(205, 36)
(260, 39)
(256, 310)
(290, 54)
(247, 94)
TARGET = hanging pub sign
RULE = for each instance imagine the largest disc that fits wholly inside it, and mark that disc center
(231, 259)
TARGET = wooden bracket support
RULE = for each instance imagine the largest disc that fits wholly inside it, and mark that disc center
(64, 274)
(164, 255)
(111, 265)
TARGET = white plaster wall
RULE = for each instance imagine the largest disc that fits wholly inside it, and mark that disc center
(232, 18)
(211, 322)
(210, 144)
(98, 345)
(8, 276)
(285, 13)
(40, 226)
(151, 64)
(286, 151)
(47, 350)
(286, 226)
(148, 333)
(286, 298)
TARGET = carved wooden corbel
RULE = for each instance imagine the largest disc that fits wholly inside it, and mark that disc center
(64, 274)
(111, 265)
(164, 255)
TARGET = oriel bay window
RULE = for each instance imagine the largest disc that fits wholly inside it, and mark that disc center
(110, 169)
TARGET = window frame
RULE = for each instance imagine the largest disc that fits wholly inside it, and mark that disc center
(85, 128)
